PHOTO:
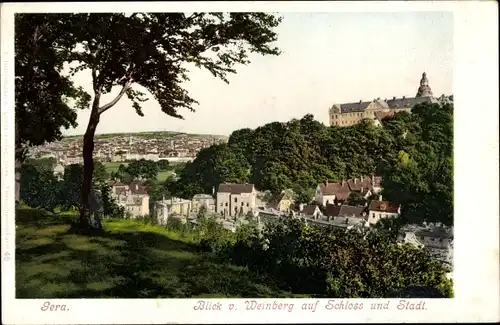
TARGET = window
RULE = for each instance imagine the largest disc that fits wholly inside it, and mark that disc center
(226, 203)
(221, 204)
(248, 204)
(235, 199)
(242, 204)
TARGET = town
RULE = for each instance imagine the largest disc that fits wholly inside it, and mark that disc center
(173, 147)
(232, 204)
(337, 191)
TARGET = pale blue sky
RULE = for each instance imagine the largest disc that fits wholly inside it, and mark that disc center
(327, 58)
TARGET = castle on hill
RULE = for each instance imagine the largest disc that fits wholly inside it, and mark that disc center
(378, 109)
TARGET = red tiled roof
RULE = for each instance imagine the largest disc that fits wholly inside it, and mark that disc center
(384, 206)
(341, 191)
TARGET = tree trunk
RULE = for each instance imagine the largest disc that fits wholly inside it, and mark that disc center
(88, 151)
(88, 164)
(88, 169)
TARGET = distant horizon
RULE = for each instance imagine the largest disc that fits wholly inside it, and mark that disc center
(328, 58)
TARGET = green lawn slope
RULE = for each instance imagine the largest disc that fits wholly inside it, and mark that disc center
(129, 260)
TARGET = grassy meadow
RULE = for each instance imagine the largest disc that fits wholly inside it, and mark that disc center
(130, 259)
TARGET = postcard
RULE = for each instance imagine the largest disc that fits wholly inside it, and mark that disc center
(263, 162)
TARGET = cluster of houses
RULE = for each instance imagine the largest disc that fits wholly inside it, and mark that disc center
(328, 208)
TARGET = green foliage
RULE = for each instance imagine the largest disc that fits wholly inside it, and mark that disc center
(44, 98)
(144, 169)
(47, 164)
(149, 50)
(110, 207)
(128, 260)
(163, 164)
(413, 153)
(419, 174)
(100, 175)
(329, 262)
(356, 199)
(39, 187)
(210, 235)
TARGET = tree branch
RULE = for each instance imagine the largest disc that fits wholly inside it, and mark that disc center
(94, 79)
(112, 103)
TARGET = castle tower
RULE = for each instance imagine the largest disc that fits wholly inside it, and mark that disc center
(424, 90)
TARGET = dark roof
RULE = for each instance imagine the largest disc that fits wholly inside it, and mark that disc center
(384, 206)
(235, 188)
(332, 210)
(309, 209)
(350, 211)
(354, 107)
(408, 102)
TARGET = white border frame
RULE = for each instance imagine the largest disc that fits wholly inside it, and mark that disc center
(476, 271)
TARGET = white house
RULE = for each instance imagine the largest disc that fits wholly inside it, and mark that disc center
(379, 209)
(235, 199)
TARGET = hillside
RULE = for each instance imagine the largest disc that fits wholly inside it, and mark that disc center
(130, 260)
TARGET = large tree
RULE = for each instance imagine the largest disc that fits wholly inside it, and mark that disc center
(42, 94)
(151, 50)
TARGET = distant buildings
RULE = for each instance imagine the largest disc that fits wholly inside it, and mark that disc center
(378, 109)
(151, 146)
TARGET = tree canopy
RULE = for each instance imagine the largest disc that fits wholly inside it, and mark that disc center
(413, 153)
(151, 52)
(45, 99)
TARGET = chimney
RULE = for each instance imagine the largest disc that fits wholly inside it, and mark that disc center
(355, 179)
(326, 182)
(328, 218)
(373, 180)
(378, 98)
(361, 189)
(301, 206)
(404, 97)
(342, 183)
(380, 197)
(360, 101)
(394, 97)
